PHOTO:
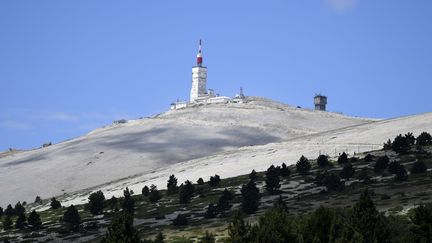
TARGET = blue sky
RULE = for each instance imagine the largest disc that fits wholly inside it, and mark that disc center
(67, 67)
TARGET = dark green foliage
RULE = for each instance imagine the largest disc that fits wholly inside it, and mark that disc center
(7, 222)
(363, 175)
(322, 161)
(211, 211)
(418, 167)
(224, 201)
(34, 220)
(401, 174)
(72, 219)
(9, 211)
(424, 139)
(318, 225)
(154, 195)
(121, 230)
(250, 197)
(281, 204)
(343, 158)
(207, 238)
(274, 226)
(200, 181)
(214, 181)
(21, 221)
(303, 165)
(319, 178)
(145, 191)
(253, 175)
(180, 220)
(96, 202)
(112, 204)
(387, 145)
(393, 167)
(19, 209)
(381, 163)
(400, 144)
(239, 231)
(187, 191)
(128, 204)
(421, 217)
(347, 172)
(332, 182)
(364, 216)
(159, 238)
(285, 171)
(1, 212)
(172, 185)
(38, 200)
(409, 137)
(368, 158)
(55, 204)
(272, 181)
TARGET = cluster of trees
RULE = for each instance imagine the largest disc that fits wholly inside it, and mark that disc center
(22, 221)
(403, 143)
(361, 223)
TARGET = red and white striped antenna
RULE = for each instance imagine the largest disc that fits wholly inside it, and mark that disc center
(199, 55)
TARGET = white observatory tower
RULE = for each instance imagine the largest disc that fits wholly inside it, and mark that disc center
(199, 79)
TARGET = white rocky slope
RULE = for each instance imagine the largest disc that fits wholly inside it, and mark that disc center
(139, 147)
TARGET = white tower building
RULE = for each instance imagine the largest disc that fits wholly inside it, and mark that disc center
(199, 79)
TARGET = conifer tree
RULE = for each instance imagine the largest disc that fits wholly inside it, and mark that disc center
(214, 181)
(253, 175)
(224, 201)
(347, 172)
(418, 167)
(393, 167)
(34, 220)
(211, 211)
(154, 194)
(9, 211)
(7, 222)
(55, 204)
(364, 216)
(239, 231)
(180, 220)
(21, 221)
(186, 192)
(250, 197)
(381, 164)
(401, 174)
(172, 185)
(159, 238)
(285, 171)
(96, 202)
(72, 219)
(343, 158)
(1, 212)
(303, 165)
(128, 205)
(200, 181)
(363, 175)
(400, 144)
(122, 230)
(207, 238)
(145, 191)
(272, 181)
(19, 209)
(424, 139)
(323, 161)
(38, 200)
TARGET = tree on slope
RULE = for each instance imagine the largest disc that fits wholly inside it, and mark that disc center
(128, 202)
(250, 197)
(34, 220)
(272, 181)
(303, 165)
(96, 202)
(72, 219)
(121, 230)
(55, 204)
(172, 185)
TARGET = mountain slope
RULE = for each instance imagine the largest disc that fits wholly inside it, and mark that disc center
(142, 146)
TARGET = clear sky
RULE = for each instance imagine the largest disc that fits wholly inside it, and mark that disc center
(67, 67)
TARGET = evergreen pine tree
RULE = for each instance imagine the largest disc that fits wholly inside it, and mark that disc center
(1, 212)
(122, 230)
(211, 211)
(368, 158)
(159, 238)
(154, 194)
(250, 197)
(303, 165)
(9, 211)
(180, 220)
(128, 205)
(332, 182)
(347, 172)
(343, 158)
(96, 202)
(19, 209)
(55, 204)
(224, 201)
(7, 222)
(400, 145)
(272, 181)
(186, 192)
(34, 220)
(72, 219)
(239, 231)
(285, 171)
(172, 185)
(145, 191)
(323, 161)
(214, 181)
(38, 200)
(364, 216)
(280, 203)
(424, 139)
(409, 137)
(381, 164)
(401, 174)
(21, 221)
(200, 181)
(393, 167)
(253, 175)
(363, 175)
